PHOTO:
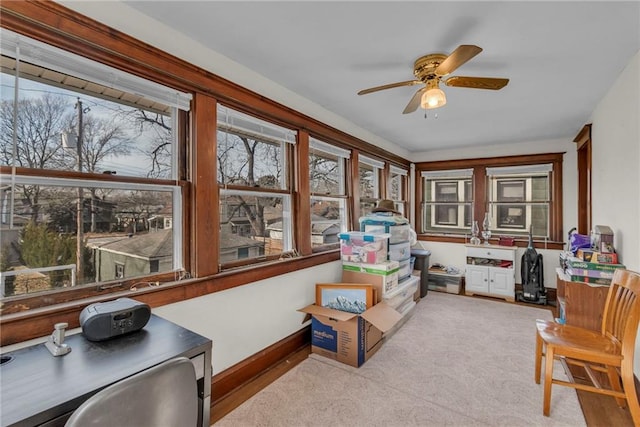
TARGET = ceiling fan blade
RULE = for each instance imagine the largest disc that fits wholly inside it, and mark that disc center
(415, 101)
(477, 82)
(389, 86)
(462, 54)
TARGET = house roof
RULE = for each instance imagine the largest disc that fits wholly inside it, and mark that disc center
(152, 245)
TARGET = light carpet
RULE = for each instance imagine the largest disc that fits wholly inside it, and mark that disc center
(457, 361)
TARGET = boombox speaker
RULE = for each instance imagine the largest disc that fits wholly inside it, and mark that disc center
(110, 319)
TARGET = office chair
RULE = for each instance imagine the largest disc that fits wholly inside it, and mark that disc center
(609, 352)
(165, 395)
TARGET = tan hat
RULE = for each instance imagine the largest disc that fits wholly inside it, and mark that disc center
(385, 205)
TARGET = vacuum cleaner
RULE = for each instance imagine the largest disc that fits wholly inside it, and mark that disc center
(533, 290)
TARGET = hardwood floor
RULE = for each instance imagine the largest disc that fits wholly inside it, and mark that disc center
(599, 410)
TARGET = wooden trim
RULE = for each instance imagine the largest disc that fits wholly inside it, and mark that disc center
(583, 140)
(225, 382)
(522, 243)
(353, 178)
(303, 202)
(205, 236)
(527, 159)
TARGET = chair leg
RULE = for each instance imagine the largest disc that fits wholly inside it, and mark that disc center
(629, 385)
(614, 381)
(538, 357)
(548, 379)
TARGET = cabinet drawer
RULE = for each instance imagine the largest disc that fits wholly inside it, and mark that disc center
(491, 253)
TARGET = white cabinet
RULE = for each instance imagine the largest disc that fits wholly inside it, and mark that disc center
(490, 270)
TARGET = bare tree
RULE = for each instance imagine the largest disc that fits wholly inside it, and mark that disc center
(37, 132)
(159, 126)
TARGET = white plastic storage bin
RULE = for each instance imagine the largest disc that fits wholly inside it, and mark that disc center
(405, 269)
(357, 246)
(397, 232)
(405, 291)
(400, 251)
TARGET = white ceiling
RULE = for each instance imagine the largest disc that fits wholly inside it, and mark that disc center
(560, 57)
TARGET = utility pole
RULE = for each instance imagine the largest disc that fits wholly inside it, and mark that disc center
(79, 219)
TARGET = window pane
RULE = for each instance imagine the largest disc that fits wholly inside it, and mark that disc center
(253, 224)
(326, 173)
(520, 204)
(448, 207)
(123, 234)
(328, 220)
(369, 181)
(120, 135)
(249, 153)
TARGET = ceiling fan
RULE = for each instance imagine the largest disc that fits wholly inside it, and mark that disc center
(430, 69)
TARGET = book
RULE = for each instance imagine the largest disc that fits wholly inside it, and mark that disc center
(578, 263)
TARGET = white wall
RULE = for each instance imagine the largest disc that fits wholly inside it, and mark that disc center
(616, 163)
(616, 168)
(247, 319)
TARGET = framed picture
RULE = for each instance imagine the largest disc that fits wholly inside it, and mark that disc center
(349, 297)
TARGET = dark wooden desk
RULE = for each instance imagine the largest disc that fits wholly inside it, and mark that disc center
(39, 389)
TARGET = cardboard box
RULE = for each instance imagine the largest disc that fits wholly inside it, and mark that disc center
(384, 276)
(597, 257)
(591, 280)
(347, 337)
(578, 263)
(596, 274)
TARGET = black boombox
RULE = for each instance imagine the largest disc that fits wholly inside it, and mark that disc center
(110, 319)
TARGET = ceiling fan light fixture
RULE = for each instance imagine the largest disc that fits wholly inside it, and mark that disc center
(433, 98)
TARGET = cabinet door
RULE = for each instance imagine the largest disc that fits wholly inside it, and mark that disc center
(501, 281)
(477, 279)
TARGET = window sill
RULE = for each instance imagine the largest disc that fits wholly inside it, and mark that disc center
(521, 243)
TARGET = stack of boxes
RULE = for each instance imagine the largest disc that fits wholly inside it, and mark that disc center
(595, 273)
(596, 264)
(353, 338)
(398, 250)
(365, 260)
(378, 256)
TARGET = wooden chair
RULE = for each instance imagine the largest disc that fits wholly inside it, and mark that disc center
(609, 351)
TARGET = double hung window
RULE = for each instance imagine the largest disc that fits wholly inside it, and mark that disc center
(448, 200)
(519, 199)
(369, 173)
(253, 164)
(327, 182)
(399, 188)
(89, 185)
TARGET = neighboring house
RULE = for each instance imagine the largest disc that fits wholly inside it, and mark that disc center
(234, 247)
(133, 255)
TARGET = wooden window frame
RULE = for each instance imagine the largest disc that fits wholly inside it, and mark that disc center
(481, 192)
